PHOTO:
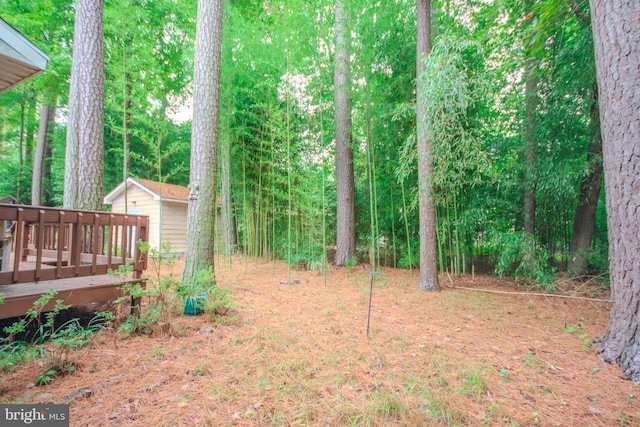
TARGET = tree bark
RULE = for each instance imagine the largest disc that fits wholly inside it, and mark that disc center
(345, 185)
(47, 118)
(70, 194)
(21, 150)
(585, 219)
(616, 34)
(84, 161)
(427, 209)
(48, 153)
(201, 215)
(91, 123)
(230, 237)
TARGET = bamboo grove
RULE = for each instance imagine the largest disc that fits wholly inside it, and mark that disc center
(277, 168)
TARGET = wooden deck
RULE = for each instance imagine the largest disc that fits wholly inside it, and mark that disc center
(74, 291)
(69, 251)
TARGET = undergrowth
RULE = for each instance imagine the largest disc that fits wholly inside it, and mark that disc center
(34, 337)
(164, 295)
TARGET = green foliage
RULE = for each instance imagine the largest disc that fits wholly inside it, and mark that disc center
(160, 292)
(216, 302)
(408, 260)
(29, 339)
(449, 91)
(164, 294)
(45, 377)
(520, 256)
(504, 373)
(32, 317)
(474, 383)
(277, 92)
(587, 342)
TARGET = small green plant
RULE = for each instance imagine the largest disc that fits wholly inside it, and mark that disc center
(160, 293)
(351, 262)
(202, 370)
(586, 341)
(212, 300)
(158, 352)
(532, 361)
(44, 342)
(474, 383)
(13, 351)
(504, 373)
(45, 377)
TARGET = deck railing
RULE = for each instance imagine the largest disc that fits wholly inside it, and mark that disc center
(40, 243)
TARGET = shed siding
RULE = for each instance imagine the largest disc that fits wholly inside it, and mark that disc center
(146, 203)
(173, 219)
(174, 225)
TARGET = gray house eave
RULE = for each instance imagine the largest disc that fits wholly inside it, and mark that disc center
(20, 59)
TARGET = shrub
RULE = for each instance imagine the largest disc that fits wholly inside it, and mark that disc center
(521, 257)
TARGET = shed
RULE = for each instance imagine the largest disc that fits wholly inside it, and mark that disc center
(165, 204)
(19, 58)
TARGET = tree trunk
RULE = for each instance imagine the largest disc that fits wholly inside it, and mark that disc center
(345, 186)
(585, 219)
(427, 210)
(21, 151)
(230, 238)
(91, 118)
(616, 34)
(70, 195)
(48, 153)
(199, 253)
(44, 135)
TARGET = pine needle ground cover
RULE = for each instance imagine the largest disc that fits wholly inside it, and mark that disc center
(298, 354)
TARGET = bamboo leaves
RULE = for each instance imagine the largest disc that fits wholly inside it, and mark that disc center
(450, 91)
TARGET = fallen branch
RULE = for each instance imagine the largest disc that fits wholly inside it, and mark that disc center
(532, 294)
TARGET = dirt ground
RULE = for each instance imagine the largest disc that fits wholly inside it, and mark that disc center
(298, 354)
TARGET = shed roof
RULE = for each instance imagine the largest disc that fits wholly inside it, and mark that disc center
(19, 58)
(8, 199)
(157, 190)
(164, 191)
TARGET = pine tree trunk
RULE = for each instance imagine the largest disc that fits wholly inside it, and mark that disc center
(91, 118)
(585, 219)
(427, 209)
(201, 215)
(616, 34)
(345, 186)
(70, 195)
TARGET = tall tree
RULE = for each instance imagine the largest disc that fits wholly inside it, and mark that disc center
(85, 132)
(70, 197)
(345, 186)
(427, 210)
(616, 33)
(199, 253)
(585, 219)
(47, 120)
(229, 234)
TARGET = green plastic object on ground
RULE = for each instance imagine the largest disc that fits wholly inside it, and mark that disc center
(194, 306)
